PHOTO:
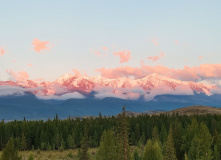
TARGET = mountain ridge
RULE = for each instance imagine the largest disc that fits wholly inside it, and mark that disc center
(125, 88)
(18, 107)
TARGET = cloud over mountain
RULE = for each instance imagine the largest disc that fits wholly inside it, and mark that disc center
(193, 73)
(81, 86)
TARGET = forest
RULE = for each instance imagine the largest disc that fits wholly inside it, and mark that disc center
(121, 137)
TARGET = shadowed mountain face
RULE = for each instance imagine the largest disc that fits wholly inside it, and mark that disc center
(18, 107)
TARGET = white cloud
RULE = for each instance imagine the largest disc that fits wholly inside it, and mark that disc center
(11, 90)
(74, 95)
(162, 89)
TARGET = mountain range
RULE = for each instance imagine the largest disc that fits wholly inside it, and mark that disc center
(78, 95)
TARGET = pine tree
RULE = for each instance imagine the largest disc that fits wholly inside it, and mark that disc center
(190, 132)
(216, 153)
(70, 142)
(163, 133)
(201, 144)
(136, 155)
(10, 152)
(83, 152)
(107, 149)
(155, 134)
(177, 137)
(153, 151)
(148, 151)
(122, 140)
(170, 152)
(23, 142)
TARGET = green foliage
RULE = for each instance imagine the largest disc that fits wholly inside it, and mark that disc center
(123, 148)
(83, 152)
(216, 154)
(170, 151)
(153, 151)
(23, 142)
(70, 155)
(177, 138)
(59, 134)
(155, 134)
(201, 144)
(31, 157)
(70, 142)
(10, 152)
(136, 155)
(107, 149)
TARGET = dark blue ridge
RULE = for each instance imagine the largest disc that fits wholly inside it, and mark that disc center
(18, 107)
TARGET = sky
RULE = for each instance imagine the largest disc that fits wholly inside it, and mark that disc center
(42, 40)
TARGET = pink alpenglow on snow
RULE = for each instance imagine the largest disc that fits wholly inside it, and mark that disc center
(40, 45)
(78, 86)
(124, 55)
(2, 51)
(156, 58)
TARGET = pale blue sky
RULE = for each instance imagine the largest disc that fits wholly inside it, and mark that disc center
(74, 27)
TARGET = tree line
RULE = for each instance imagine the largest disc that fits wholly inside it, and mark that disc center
(168, 137)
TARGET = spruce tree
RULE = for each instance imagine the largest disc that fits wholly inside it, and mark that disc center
(10, 152)
(170, 151)
(122, 137)
(107, 149)
(216, 153)
(163, 133)
(177, 137)
(23, 142)
(70, 142)
(83, 152)
(201, 144)
(155, 134)
(153, 150)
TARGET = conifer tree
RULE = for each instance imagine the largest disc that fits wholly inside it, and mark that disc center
(170, 151)
(201, 144)
(70, 142)
(107, 149)
(136, 155)
(153, 151)
(216, 153)
(155, 134)
(190, 132)
(163, 133)
(23, 142)
(83, 152)
(122, 137)
(177, 137)
(10, 152)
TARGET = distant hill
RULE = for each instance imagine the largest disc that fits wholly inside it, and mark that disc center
(191, 110)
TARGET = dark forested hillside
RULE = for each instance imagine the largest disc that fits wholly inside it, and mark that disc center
(189, 136)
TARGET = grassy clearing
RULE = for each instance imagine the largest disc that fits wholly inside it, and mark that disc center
(55, 155)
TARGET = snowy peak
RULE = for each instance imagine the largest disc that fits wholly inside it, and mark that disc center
(151, 85)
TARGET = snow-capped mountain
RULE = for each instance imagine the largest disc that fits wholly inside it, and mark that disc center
(124, 88)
